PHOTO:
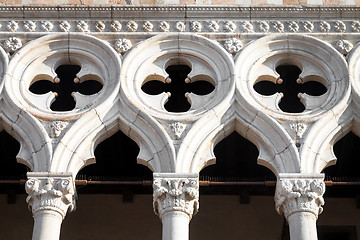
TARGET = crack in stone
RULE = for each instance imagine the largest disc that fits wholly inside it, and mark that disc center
(97, 114)
(133, 122)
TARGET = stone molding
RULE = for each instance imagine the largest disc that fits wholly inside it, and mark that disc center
(300, 193)
(50, 191)
(176, 192)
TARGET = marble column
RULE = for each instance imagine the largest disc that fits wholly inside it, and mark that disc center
(175, 200)
(51, 196)
(300, 198)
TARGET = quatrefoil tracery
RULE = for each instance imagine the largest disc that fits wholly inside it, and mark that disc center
(178, 85)
(291, 86)
(64, 86)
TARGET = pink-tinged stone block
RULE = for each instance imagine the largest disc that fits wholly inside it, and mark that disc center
(38, 2)
(294, 2)
(190, 1)
(223, 2)
(259, 2)
(10, 2)
(117, 2)
(331, 2)
(81, 2)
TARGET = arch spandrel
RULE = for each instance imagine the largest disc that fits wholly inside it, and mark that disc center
(299, 139)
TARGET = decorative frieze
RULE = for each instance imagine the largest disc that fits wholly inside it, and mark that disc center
(176, 192)
(50, 191)
(299, 193)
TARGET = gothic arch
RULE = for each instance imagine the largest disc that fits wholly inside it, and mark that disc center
(297, 141)
(53, 137)
(148, 60)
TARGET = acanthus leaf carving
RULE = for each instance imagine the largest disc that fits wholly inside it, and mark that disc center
(175, 193)
(299, 194)
(54, 192)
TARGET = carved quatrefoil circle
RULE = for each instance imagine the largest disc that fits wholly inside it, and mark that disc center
(45, 70)
(190, 68)
(303, 70)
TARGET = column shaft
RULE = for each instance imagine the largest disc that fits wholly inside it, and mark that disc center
(175, 226)
(302, 226)
(47, 225)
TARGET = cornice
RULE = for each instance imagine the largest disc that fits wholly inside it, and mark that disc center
(15, 9)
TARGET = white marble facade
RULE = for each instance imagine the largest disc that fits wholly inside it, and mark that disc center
(237, 49)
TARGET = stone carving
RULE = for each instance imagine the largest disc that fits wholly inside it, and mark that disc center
(324, 26)
(178, 128)
(344, 46)
(148, 26)
(50, 193)
(115, 26)
(12, 26)
(229, 26)
(355, 26)
(99, 26)
(233, 45)
(122, 45)
(131, 26)
(308, 26)
(12, 44)
(299, 129)
(180, 26)
(29, 26)
(293, 26)
(264, 26)
(299, 195)
(56, 128)
(196, 26)
(176, 194)
(278, 26)
(213, 26)
(246, 27)
(64, 26)
(47, 26)
(164, 26)
(82, 26)
(339, 26)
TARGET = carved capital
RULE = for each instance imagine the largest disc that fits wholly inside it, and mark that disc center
(50, 191)
(176, 192)
(299, 193)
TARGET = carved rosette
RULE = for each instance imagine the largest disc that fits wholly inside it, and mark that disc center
(54, 192)
(300, 194)
(174, 192)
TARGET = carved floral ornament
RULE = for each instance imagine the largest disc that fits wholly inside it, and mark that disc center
(175, 193)
(55, 193)
(299, 194)
(278, 26)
